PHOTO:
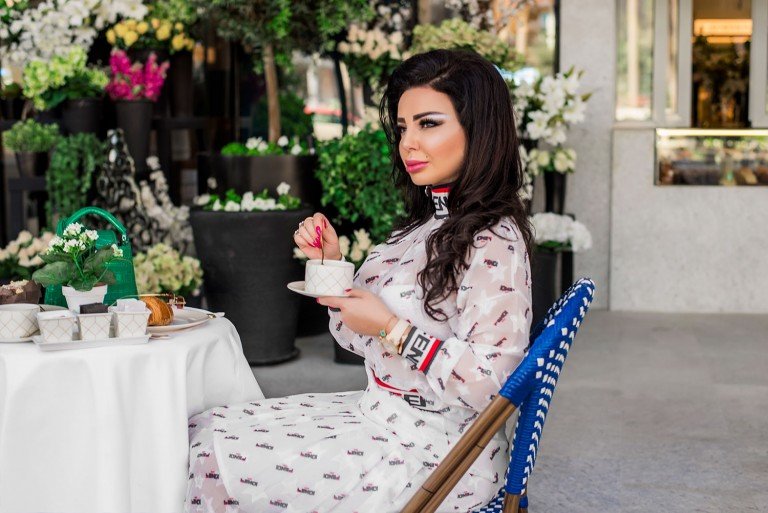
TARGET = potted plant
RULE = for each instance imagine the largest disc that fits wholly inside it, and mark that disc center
(134, 87)
(12, 101)
(553, 235)
(162, 269)
(257, 165)
(556, 164)
(31, 141)
(70, 174)
(356, 176)
(74, 262)
(244, 244)
(67, 80)
(166, 30)
(545, 110)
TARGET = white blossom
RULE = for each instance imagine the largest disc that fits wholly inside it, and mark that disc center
(73, 230)
(231, 206)
(296, 150)
(117, 252)
(344, 245)
(282, 141)
(201, 200)
(283, 188)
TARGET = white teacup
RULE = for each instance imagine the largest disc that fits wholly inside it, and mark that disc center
(331, 278)
(18, 320)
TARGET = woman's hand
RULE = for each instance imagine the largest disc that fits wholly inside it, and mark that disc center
(362, 311)
(310, 231)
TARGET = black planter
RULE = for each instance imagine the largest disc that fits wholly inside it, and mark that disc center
(181, 84)
(554, 185)
(32, 164)
(544, 282)
(313, 317)
(135, 118)
(82, 116)
(258, 173)
(247, 258)
(11, 108)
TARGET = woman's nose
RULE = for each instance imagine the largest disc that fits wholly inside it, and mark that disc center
(409, 141)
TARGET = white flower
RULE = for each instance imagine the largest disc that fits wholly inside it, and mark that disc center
(36, 261)
(153, 162)
(574, 111)
(117, 252)
(24, 261)
(73, 230)
(581, 239)
(296, 150)
(356, 254)
(253, 142)
(231, 206)
(201, 200)
(13, 248)
(24, 237)
(556, 136)
(344, 47)
(3, 254)
(283, 188)
(73, 246)
(542, 158)
(299, 254)
(91, 234)
(562, 162)
(344, 245)
(56, 242)
(216, 205)
(283, 141)
(363, 239)
(211, 182)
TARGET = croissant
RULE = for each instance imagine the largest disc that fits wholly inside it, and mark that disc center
(161, 313)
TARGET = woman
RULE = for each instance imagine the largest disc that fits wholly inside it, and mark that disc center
(450, 289)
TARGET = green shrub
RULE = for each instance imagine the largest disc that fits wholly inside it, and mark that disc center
(356, 174)
(31, 136)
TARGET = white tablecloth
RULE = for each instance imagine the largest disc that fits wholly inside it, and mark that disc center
(105, 429)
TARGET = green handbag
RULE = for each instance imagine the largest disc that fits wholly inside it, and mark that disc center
(125, 284)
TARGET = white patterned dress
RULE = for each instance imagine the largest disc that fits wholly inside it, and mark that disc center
(369, 451)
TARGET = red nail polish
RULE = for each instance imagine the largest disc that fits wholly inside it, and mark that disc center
(318, 230)
(347, 290)
(325, 224)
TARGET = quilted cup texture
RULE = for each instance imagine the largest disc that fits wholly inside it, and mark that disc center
(56, 329)
(332, 279)
(18, 320)
(94, 326)
(131, 324)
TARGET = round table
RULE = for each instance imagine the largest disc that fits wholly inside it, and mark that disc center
(105, 429)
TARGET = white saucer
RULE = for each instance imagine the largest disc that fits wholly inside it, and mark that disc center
(18, 340)
(298, 287)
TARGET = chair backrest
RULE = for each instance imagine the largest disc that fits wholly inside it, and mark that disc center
(532, 384)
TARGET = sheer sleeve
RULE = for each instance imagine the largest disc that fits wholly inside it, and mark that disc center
(490, 328)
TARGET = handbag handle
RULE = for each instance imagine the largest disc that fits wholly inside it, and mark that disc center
(63, 223)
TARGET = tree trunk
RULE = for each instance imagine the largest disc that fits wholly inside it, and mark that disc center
(273, 100)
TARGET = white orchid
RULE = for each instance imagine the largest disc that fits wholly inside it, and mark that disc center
(560, 231)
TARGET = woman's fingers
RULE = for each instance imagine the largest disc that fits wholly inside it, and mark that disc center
(309, 233)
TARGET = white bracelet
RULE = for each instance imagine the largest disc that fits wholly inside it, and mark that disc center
(397, 332)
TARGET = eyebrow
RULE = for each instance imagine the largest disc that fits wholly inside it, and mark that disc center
(419, 116)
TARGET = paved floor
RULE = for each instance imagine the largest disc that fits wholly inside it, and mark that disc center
(653, 413)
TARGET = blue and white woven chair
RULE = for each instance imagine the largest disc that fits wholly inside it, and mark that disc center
(529, 388)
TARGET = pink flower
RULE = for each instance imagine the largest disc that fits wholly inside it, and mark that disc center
(133, 81)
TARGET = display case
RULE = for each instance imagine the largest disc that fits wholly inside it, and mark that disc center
(711, 157)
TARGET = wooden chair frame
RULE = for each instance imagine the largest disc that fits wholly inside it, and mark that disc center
(469, 447)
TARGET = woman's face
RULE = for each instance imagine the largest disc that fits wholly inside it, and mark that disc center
(432, 141)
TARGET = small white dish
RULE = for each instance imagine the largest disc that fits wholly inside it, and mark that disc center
(56, 326)
(130, 324)
(96, 326)
(298, 287)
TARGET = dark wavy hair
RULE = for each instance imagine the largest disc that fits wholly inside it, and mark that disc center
(491, 174)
